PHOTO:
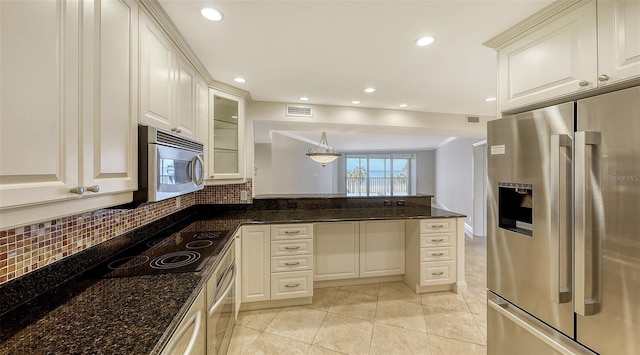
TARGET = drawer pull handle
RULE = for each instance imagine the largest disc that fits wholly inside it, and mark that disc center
(291, 248)
(437, 254)
(438, 226)
(292, 264)
(291, 232)
(437, 240)
(437, 273)
(291, 285)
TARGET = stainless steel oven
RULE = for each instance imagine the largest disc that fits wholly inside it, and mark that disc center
(168, 165)
(220, 303)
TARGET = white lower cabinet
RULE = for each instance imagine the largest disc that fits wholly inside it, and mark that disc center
(277, 262)
(434, 255)
(436, 273)
(382, 249)
(348, 250)
(255, 263)
(337, 251)
(190, 338)
(291, 284)
(239, 269)
(292, 256)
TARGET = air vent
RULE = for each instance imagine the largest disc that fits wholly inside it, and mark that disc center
(169, 139)
(299, 111)
(473, 119)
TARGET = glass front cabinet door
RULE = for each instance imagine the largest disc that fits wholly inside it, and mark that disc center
(226, 160)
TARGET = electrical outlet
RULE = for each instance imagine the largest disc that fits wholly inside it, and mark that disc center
(400, 203)
(387, 203)
(243, 195)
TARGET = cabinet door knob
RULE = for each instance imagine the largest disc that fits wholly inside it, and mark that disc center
(291, 248)
(437, 240)
(94, 188)
(77, 190)
(292, 264)
(583, 83)
(291, 232)
(291, 285)
(437, 254)
(603, 77)
(437, 273)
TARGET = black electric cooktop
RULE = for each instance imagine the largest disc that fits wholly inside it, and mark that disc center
(178, 252)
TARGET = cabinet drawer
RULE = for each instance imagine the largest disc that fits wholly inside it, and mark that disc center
(291, 231)
(435, 254)
(291, 263)
(291, 284)
(437, 225)
(434, 273)
(292, 247)
(436, 240)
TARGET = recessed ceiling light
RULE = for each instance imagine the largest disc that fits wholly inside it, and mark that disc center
(424, 41)
(403, 105)
(369, 90)
(355, 102)
(304, 98)
(489, 99)
(211, 14)
(240, 80)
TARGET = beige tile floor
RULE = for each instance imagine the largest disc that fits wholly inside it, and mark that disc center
(382, 318)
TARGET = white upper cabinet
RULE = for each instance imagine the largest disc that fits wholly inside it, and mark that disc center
(566, 50)
(553, 61)
(109, 96)
(185, 99)
(202, 110)
(39, 142)
(167, 86)
(156, 74)
(226, 137)
(618, 41)
(73, 137)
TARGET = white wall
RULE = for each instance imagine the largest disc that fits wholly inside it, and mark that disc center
(292, 172)
(480, 190)
(426, 172)
(454, 176)
(262, 169)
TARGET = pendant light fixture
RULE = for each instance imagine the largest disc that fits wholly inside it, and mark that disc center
(323, 154)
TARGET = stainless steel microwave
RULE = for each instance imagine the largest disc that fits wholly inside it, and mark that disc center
(168, 165)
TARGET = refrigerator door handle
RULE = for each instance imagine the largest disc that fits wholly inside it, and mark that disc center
(587, 278)
(533, 326)
(560, 218)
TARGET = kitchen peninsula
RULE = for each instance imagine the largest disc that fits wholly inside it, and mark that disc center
(71, 307)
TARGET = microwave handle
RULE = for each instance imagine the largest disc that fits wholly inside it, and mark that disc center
(197, 179)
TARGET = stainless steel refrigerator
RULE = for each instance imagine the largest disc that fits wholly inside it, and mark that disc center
(563, 247)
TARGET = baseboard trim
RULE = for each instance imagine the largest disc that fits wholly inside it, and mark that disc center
(357, 281)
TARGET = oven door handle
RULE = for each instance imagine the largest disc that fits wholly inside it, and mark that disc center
(214, 307)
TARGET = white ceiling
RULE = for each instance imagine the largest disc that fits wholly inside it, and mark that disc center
(330, 51)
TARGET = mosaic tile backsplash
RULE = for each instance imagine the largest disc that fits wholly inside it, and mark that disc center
(28, 248)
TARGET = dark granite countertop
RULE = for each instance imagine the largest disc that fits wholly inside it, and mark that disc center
(333, 195)
(86, 314)
(356, 214)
